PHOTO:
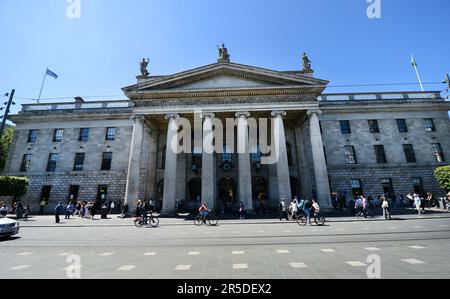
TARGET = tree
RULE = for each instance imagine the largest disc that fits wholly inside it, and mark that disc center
(443, 177)
(13, 186)
(5, 142)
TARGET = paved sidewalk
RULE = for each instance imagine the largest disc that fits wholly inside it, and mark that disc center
(113, 220)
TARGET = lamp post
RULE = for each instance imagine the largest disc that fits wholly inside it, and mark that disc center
(8, 106)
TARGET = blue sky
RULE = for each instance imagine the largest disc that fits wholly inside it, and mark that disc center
(98, 54)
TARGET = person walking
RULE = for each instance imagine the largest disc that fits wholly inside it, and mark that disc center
(283, 210)
(3, 210)
(294, 209)
(58, 211)
(241, 211)
(385, 207)
(68, 210)
(112, 206)
(417, 203)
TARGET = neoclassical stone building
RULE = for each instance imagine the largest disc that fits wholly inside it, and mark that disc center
(329, 143)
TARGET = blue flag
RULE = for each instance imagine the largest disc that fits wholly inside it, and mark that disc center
(52, 74)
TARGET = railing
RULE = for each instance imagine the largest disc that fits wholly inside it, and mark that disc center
(76, 106)
(434, 95)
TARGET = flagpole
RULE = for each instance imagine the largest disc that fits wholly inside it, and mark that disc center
(42, 86)
(418, 77)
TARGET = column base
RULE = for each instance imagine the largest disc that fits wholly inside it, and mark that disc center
(168, 214)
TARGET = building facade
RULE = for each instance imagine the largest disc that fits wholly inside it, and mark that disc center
(372, 143)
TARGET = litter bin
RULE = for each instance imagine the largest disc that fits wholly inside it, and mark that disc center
(442, 203)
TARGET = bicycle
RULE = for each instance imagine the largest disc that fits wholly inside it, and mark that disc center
(319, 220)
(152, 221)
(211, 218)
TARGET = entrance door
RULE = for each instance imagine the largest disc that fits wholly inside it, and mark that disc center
(194, 193)
(227, 194)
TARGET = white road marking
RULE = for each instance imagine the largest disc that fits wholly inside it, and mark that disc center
(283, 251)
(183, 268)
(150, 254)
(238, 252)
(193, 253)
(106, 254)
(21, 267)
(126, 268)
(65, 254)
(356, 264)
(417, 247)
(372, 249)
(419, 226)
(298, 265)
(327, 250)
(340, 229)
(261, 232)
(240, 266)
(24, 253)
(413, 261)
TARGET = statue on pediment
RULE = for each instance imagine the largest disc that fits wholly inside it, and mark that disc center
(144, 64)
(306, 63)
(223, 53)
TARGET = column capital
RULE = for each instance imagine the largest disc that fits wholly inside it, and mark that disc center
(137, 117)
(207, 115)
(314, 111)
(278, 113)
(244, 114)
(170, 116)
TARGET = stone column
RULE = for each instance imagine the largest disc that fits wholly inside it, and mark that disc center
(208, 165)
(282, 166)
(134, 163)
(245, 171)
(320, 165)
(150, 190)
(170, 172)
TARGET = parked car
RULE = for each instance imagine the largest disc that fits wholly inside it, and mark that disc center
(8, 227)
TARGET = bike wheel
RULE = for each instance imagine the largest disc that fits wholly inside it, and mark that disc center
(212, 219)
(320, 220)
(138, 223)
(198, 221)
(302, 220)
(154, 221)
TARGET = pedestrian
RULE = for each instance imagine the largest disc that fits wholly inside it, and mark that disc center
(19, 210)
(359, 207)
(58, 211)
(307, 210)
(68, 210)
(3, 210)
(417, 203)
(78, 209)
(241, 211)
(386, 208)
(294, 209)
(283, 210)
(42, 205)
(26, 212)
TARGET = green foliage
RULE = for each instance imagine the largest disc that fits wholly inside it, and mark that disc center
(443, 177)
(13, 186)
(5, 142)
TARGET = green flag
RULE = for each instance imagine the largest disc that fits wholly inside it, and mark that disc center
(413, 61)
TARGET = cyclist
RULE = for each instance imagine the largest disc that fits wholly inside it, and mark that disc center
(307, 210)
(204, 211)
(316, 208)
(144, 214)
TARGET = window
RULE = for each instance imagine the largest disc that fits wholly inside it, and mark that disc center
(26, 163)
(356, 188)
(373, 126)
(402, 127)
(350, 155)
(106, 161)
(79, 161)
(111, 134)
(52, 161)
(437, 152)
(418, 186)
(58, 136)
(73, 193)
(388, 189)
(226, 155)
(429, 125)
(409, 153)
(289, 155)
(345, 127)
(84, 135)
(380, 154)
(32, 136)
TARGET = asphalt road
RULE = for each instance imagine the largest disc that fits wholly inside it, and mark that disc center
(412, 248)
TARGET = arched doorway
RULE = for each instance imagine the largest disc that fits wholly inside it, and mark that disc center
(259, 190)
(295, 187)
(194, 189)
(159, 195)
(227, 194)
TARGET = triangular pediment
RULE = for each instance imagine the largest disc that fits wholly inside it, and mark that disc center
(224, 76)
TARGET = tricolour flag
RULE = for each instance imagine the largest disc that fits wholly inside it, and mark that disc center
(52, 74)
(413, 61)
